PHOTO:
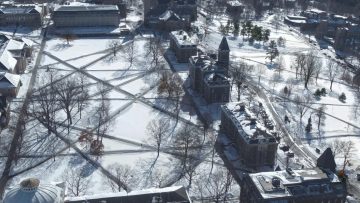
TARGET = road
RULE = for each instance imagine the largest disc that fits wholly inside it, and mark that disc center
(16, 141)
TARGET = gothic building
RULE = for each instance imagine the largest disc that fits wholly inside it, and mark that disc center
(209, 77)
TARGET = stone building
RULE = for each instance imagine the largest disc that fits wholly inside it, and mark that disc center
(86, 16)
(234, 7)
(254, 137)
(295, 186)
(182, 45)
(209, 77)
(23, 15)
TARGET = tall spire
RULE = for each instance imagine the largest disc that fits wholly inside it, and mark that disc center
(224, 46)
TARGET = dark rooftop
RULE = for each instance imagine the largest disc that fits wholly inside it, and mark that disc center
(87, 8)
(224, 44)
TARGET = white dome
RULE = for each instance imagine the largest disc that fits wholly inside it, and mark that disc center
(31, 191)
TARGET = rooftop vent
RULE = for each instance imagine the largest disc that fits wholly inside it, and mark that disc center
(275, 182)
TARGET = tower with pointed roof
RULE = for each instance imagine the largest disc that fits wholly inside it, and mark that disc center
(224, 54)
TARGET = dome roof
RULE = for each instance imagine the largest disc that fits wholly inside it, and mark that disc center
(31, 191)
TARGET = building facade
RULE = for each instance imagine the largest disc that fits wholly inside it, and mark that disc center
(86, 16)
(156, 14)
(209, 77)
(24, 15)
(253, 135)
(293, 186)
(182, 45)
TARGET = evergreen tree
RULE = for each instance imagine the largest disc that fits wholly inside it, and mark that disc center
(249, 27)
(272, 52)
(243, 30)
(266, 35)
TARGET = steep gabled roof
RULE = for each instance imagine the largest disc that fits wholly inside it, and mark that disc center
(224, 46)
(327, 161)
(8, 80)
(169, 15)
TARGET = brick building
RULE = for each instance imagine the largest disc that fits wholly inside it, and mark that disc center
(182, 45)
(86, 16)
(295, 186)
(23, 15)
(254, 136)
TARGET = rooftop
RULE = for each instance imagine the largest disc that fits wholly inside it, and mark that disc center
(224, 44)
(9, 81)
(250, 127)
(19, 10)
(234, 3)
(175, 194)
(183, 39)
(294, 182)
(87, 8)
(216, 79)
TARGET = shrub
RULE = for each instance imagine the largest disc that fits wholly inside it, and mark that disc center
(323, 92)
(342, 97)
(318, 93)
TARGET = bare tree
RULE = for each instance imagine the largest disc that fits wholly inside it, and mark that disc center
(76, 182)
(216, 186)
(171, 86)
(333, 70)
(44, 104)
(69, 93)
(320, 113)
(123, 173)
(310, 69)
(301, 104)
(187, 146)
(300, 63)
(337, 147)
(280, 65)
(154, 50)
(114, 46)
(159, 130)
(129, 51)
(101, 118)
(69, 37)
(347, 149)
(239, 72)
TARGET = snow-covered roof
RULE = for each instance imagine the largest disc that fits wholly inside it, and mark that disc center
(181, 195)
(7, 60)
(234, 3)
(19, 10)
(248, 125)
(317, 11)
(9, 81)
(290, 182)
(216, 79)
(169, 15)
(183, 39)
(31, 191)
(14, 45)
(86, 8)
